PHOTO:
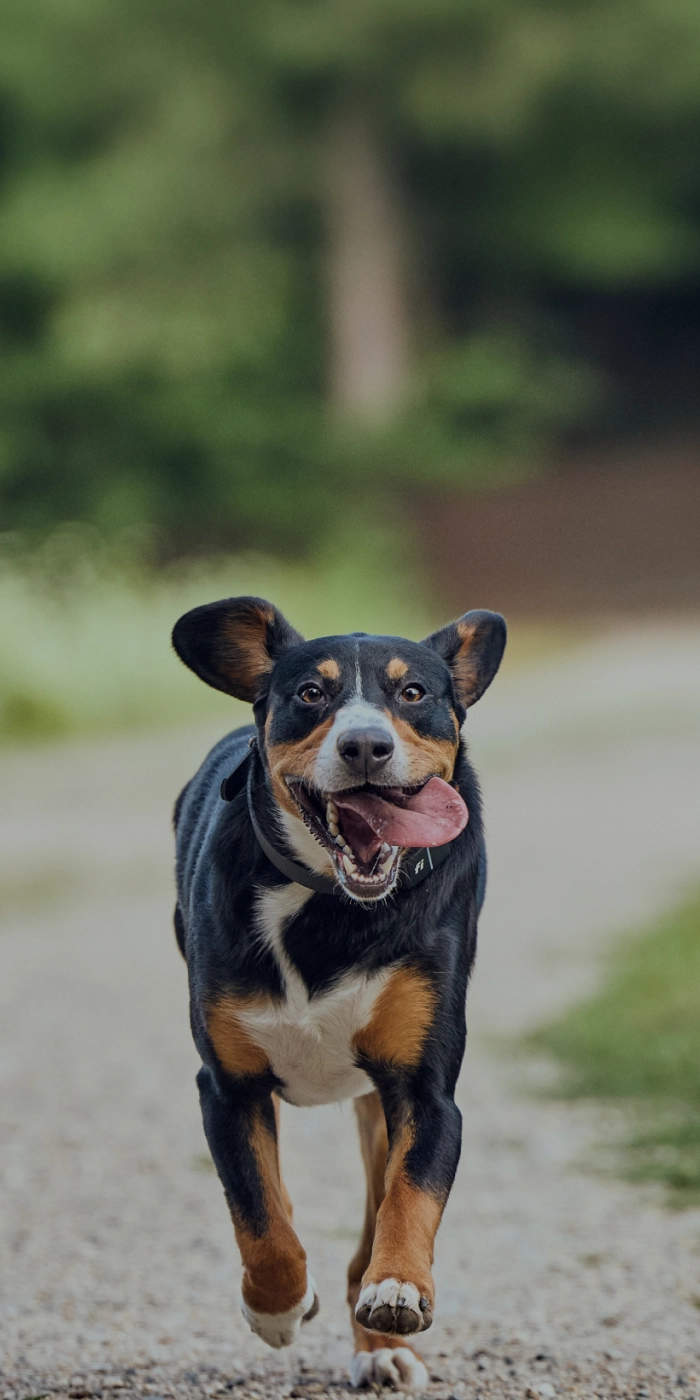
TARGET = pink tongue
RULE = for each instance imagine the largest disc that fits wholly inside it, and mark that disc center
(431, 817)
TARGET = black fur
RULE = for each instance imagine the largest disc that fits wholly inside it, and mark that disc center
(431, 927)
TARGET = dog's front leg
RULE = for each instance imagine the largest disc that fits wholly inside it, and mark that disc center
(241, 1129)
(424, 1126)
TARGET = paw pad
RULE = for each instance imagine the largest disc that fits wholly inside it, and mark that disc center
(393, 1308)
(398, 1367)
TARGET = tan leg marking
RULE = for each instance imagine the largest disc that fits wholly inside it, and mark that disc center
(407, 1223)
(235, 1049)
(406, 1371)
(402, 1016)
(274, 1264)
(278, 1292)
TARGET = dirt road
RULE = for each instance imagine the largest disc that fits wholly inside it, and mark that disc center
(119, 1270)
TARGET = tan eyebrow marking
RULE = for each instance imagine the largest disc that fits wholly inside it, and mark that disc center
(396, 668)
(330, 669)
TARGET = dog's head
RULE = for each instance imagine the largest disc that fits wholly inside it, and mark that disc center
(359, 735)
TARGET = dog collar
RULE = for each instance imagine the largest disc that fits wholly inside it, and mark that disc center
(416, 866)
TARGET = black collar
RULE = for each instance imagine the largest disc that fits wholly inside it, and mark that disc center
(416, 865)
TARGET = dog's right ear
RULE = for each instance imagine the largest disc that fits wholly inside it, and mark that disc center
(233, 644)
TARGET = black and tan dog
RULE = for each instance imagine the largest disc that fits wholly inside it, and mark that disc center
(331, 867)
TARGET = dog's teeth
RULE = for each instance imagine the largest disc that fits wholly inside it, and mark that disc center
(331, 812)
(333, 828)
(349, 865)
(340, 841)
(386, 864)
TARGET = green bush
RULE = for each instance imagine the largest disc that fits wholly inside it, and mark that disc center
(165, 324)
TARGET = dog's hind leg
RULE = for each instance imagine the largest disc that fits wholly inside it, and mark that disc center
(378, 1358)
(241, 1129)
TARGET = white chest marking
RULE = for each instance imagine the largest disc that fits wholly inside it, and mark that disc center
(308, 1041)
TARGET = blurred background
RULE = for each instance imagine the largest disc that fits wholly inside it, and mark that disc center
(411, 283)
(381, 309)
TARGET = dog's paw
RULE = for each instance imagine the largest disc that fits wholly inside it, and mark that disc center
(393, 1307)
(281, 1329)
(398, 1367)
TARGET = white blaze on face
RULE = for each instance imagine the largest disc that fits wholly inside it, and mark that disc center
(331, 774)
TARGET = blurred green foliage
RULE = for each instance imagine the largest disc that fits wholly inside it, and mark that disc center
(637, 1040)
(164, 321)
(85, 626)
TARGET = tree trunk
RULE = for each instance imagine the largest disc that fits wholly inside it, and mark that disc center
(368, 293)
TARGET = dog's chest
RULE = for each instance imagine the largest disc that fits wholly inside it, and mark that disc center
(309, 1040)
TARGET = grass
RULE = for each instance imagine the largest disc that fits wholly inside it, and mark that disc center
(637, 1041)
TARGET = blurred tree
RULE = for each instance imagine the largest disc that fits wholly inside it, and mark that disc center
(249, 251)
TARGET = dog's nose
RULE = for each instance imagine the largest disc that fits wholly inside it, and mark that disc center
(365, 751)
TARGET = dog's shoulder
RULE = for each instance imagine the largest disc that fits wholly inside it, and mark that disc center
(204, 824)
(198, 799)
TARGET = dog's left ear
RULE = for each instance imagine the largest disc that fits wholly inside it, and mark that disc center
(234, 644)
(472, 647)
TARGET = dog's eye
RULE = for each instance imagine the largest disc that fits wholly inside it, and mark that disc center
(412, 693)
(310, 694)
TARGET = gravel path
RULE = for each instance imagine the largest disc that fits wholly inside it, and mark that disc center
(119, 1271)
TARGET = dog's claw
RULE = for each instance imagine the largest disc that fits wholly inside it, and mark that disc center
(315, 1306)
(426, 1312)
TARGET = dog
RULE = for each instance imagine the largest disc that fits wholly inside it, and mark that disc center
(330, 872)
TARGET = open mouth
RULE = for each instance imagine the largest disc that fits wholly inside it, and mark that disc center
(367, 828)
